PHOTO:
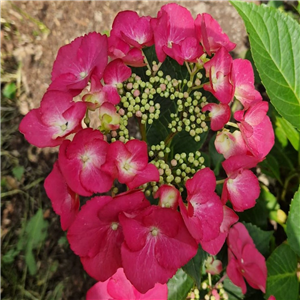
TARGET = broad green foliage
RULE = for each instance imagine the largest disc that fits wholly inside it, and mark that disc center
(194, 266)
(234, 292)
(260, 238)
(293, 224)
(290, 132)
(179, 286)
(275, 47)
(36, 233)
(282, 279)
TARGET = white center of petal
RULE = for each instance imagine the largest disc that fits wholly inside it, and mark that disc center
(114, 226)
(84, 158)
(83, 74)
(154, 231)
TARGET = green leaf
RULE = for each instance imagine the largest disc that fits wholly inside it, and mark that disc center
(234, 292)
(36, 233)
(216, 157)
(260, 238)
(18, 172)
(258, 215)
(9, 256)
(270, 167)
(291, 133)
(275, 4)
(183, 142)
(194, 266)
(9, 90)
(293, 224)
(275, 47)
(248, 56)
(179, 286)
(282, 279)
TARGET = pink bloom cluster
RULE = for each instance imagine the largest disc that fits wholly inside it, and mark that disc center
(122, 239)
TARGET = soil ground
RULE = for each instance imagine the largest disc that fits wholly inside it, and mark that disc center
(31, 34)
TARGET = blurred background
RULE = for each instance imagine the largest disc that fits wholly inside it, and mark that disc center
(37, 262)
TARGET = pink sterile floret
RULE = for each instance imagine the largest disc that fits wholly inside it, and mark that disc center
(218, 70)
(244, 260)
(95, 96)
(230, 144)
(117, 48)
(64, 201)
(188, 50)
(242, 186)
(57, 117)
(220, 115)
(204, 212)
(214, 246)
(109, 118)
(173, 24)
(213, 266)
(242, 77)
(77, 61)
(210, 34)
(256, 129)
(132, 29)
(129, 163)
(119, 287)
(168, 196)
(156, 244)
(115, 72)
(80, 162)
(96, 234)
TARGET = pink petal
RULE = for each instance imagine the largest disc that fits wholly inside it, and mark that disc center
(116, 72)
(243, 190)
(98, 291)
(64, 201)
(211, 35)
(220, 115)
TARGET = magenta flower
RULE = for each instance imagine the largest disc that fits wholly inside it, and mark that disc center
(218, 70)
(156, 244)
(244, 260)
(168, 196)
(173, 24)
(256, 129)
(214, 246)
(242, 186)
(57, 117)
(115, 72)
(129, 163)
(204, 212)
(188, 50)
(242, 77)
(117, 48)
(96, 234)
(119, 287)
(109, 118)
(132, 29)
(230, 144)
(80, 162)
(64, 201)
(220, 115)
(77, 61)
(210, 34)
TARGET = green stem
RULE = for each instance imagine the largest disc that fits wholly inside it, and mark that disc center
(286, 183)
(220, 181)
(146, 61)
(188, 68)
(169, 138)
(142, 128)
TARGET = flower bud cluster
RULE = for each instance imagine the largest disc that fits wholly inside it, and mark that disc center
(176, 172)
